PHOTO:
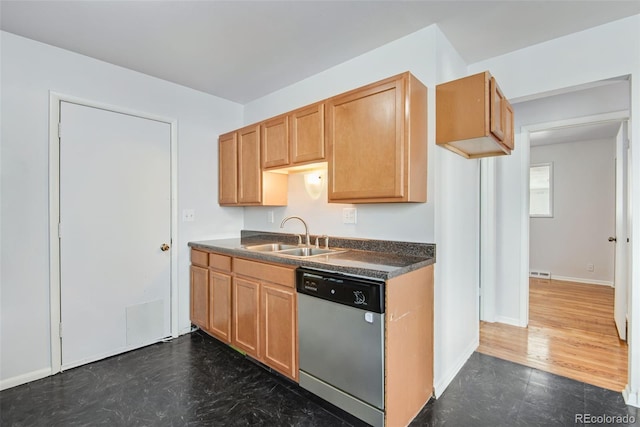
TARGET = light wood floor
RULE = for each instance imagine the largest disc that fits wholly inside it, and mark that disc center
(571, 333)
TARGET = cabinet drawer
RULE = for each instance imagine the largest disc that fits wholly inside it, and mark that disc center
(265, 272)
(199, 258)
(220, 262)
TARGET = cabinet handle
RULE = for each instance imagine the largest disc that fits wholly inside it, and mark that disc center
(613, 239)
(164, 247)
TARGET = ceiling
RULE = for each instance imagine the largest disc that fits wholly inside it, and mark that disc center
(243, 50)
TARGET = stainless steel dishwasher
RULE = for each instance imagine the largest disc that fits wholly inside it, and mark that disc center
(341, 341)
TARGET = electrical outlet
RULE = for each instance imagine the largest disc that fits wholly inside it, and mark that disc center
(270, 217)
(590, 267)
(349, 216)
(188, 215)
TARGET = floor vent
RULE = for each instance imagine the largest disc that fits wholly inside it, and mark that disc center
(540, 274)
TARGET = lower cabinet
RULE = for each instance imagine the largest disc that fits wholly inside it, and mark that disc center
(220, 305)
(199, 296)
(265, 314)
(248, 304)
(210, 307)
(279, 328)
(246, 316)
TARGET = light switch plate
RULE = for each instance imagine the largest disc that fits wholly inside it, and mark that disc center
(270, 217)
(349, 216)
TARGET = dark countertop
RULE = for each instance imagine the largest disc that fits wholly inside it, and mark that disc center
(382, 259)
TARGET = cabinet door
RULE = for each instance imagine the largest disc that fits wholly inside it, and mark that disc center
(199, 296)
(275, 142)
(228, 169)
(365, 135)
(497, 110)
(220, 305)
(249, 169)
(307, 134)
(246, 319)
(279, 329)
(508, 126)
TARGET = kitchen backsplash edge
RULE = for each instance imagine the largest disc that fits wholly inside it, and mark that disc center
(388, 246)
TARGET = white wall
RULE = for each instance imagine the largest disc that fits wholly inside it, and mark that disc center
(29, 71)
(583, 212)
(413, 53)
(510, 201)
(457, 192)
(603, 52)
(567, 61)
(450, 216)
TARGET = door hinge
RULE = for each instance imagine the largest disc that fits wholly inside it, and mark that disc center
(59, 230)
(59, 130)
(60, 329)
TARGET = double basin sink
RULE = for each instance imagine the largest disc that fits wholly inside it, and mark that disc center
(295, 251)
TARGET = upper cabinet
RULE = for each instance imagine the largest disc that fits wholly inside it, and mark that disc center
(249, 172)
(275, 142)
(307, 134)
(241, 181)
(294, 139)
(228, 169)
(374, 140)
(473, 117)
(377, 140)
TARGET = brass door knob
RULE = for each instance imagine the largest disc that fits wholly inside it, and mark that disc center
(164, 247)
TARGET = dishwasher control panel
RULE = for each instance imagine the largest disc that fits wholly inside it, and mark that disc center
(365, 294)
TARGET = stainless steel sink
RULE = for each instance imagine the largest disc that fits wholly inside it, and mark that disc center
(294, 251)
(307, 252)
(270, 247)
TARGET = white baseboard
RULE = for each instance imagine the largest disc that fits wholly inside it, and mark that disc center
(581, 280)
(509, 321)
(631, 398)
(25, 378)
(440, 385)
(184, 331)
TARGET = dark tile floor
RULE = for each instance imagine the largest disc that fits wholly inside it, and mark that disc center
(196, 381)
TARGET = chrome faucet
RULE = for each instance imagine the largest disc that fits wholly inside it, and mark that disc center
(306, 228)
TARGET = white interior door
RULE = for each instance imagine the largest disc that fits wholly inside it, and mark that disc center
(620, 239)
(115, 214)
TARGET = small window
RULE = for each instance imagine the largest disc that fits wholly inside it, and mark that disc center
(541, 190)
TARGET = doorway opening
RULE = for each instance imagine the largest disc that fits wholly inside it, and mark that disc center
(557, 307)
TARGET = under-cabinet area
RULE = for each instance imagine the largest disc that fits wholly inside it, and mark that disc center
(245, 293)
